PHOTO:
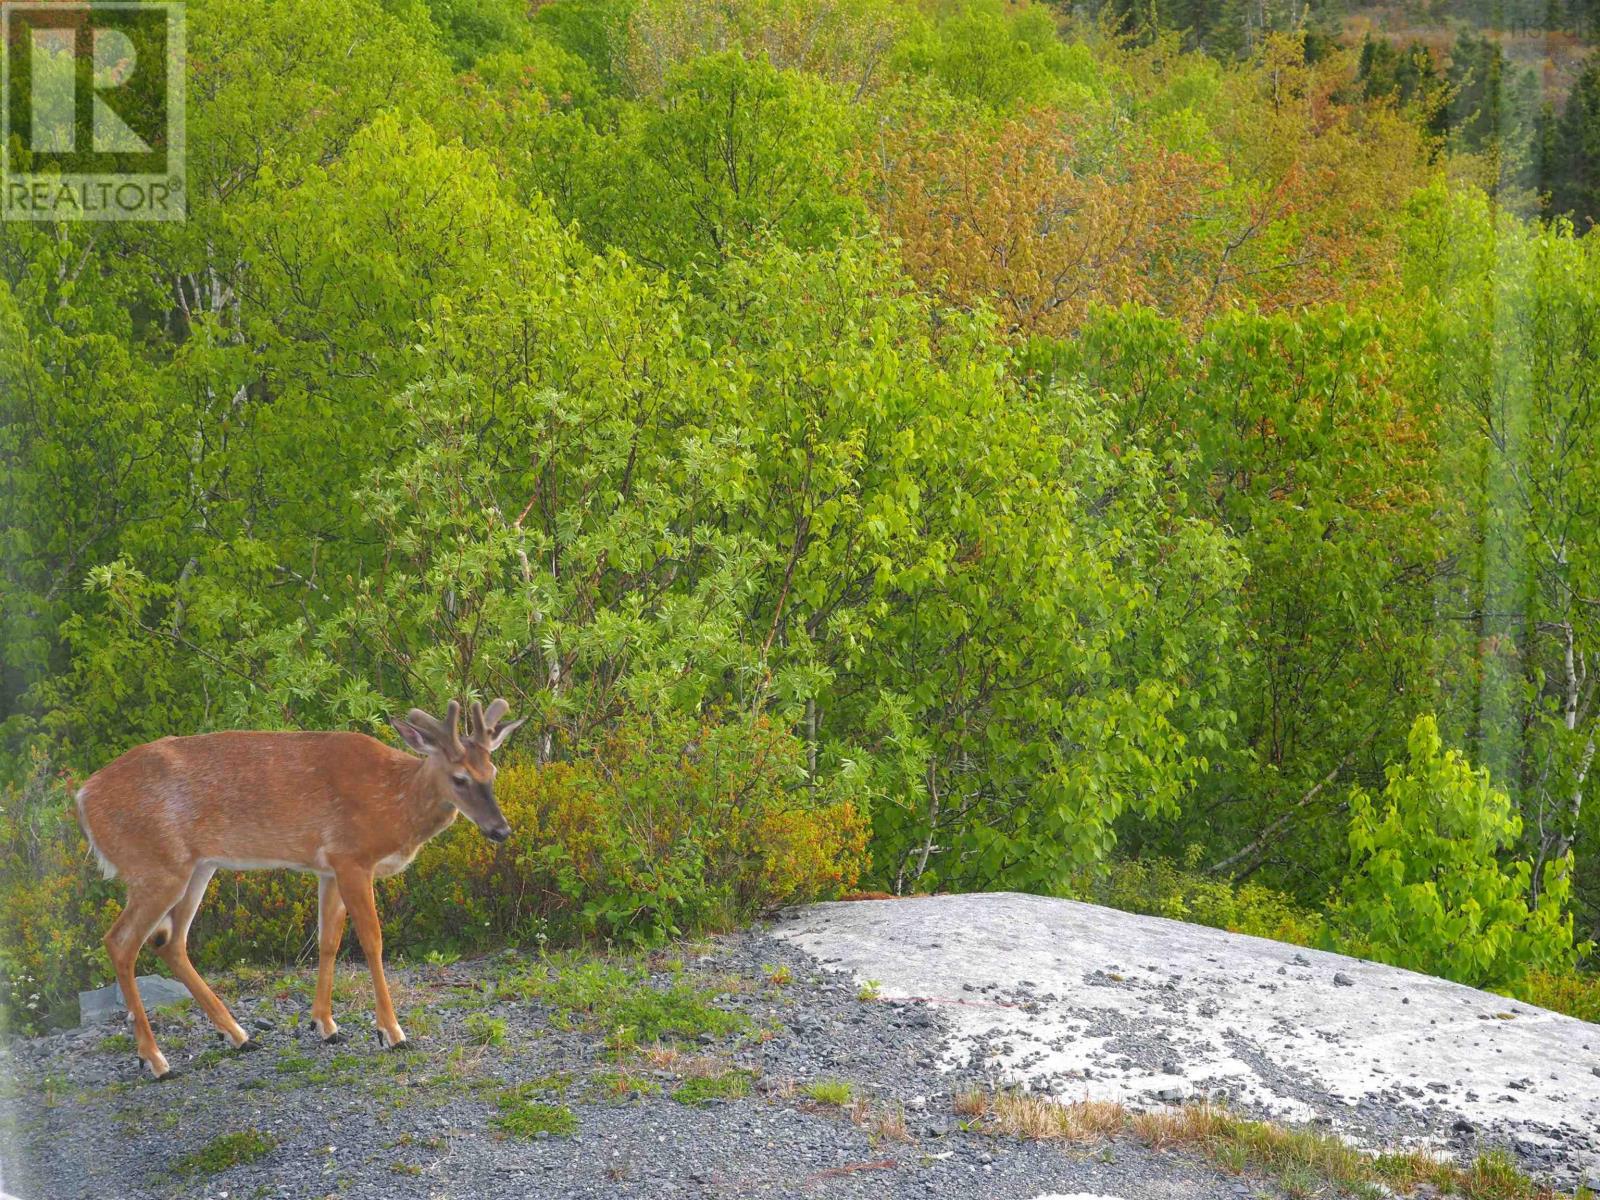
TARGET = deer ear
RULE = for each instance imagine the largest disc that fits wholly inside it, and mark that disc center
(412, 736)
(502, 732)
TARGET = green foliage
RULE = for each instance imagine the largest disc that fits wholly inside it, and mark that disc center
(618, 999)
(224, 1151)
(827, 1091)
(700, 1089)
(1163, 888)
(733, 150)
(1304, 447)
(558, 354)
(524, 1118)
(1577, 995)
(1574, 180)
(1427, 885)
(54, 904)
(996, 55)
(666, 828)
(484, 1030)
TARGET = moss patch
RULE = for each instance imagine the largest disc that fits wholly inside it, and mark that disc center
(225, 1151)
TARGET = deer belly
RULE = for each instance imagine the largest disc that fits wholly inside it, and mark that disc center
(394, 863)
(255, 864)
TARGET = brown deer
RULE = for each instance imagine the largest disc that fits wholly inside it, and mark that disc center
(167, 815)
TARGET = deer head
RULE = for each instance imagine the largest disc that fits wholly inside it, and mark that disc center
(459, 772)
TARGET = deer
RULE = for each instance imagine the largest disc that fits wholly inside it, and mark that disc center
(344, 806)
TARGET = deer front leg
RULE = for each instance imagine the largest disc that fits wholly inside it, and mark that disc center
(330, 930)
(355, 885)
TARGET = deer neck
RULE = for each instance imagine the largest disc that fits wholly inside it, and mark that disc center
(426, 812)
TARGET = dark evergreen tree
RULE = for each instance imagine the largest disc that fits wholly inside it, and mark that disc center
(1575, 183)
(1477, 85)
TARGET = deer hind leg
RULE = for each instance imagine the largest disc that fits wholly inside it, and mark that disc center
(149, 900)
(171, 942)
(330, 932)
(355, 886)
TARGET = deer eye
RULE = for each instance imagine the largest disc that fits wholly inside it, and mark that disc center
(460, 777)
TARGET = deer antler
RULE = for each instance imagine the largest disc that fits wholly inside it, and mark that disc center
(482, 726)
(445, 732)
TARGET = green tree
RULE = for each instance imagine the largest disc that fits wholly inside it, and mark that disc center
(1574, 175)
(733, 150)
(1427, 888)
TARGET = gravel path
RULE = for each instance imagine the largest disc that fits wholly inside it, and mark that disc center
(79, 1119)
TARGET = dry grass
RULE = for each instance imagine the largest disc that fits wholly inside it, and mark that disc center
(971, 1104)
(883, 1122)
(1039, 1118)
(1304, 1163)
(704, 1066)
(685, 1065)
(784, 1087)
(662, 1057)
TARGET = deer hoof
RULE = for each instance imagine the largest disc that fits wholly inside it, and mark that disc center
(157, 1067)
(248, 1045)
(336, 1038)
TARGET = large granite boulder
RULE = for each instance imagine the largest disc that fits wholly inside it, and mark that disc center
(1075, 1000)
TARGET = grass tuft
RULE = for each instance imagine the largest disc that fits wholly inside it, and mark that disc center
(525, 1118)
(828, 1091)
(224, 1151)
(699, 1089)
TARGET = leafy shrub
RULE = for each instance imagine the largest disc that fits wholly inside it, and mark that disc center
(1180, 892)
(1163, 888)
(54, 906)
(1428, 888)
(1570, 992)
(668, 825)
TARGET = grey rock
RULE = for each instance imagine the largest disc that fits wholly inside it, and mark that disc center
(1340, 979)
(106, 1004)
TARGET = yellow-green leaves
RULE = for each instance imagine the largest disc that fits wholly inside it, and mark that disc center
(1431, 885)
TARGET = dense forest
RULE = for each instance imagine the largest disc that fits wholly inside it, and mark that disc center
(908, 446)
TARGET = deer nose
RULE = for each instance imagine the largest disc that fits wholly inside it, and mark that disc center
(498, 833)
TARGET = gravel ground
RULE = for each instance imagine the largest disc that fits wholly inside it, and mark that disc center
(78, 1118)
